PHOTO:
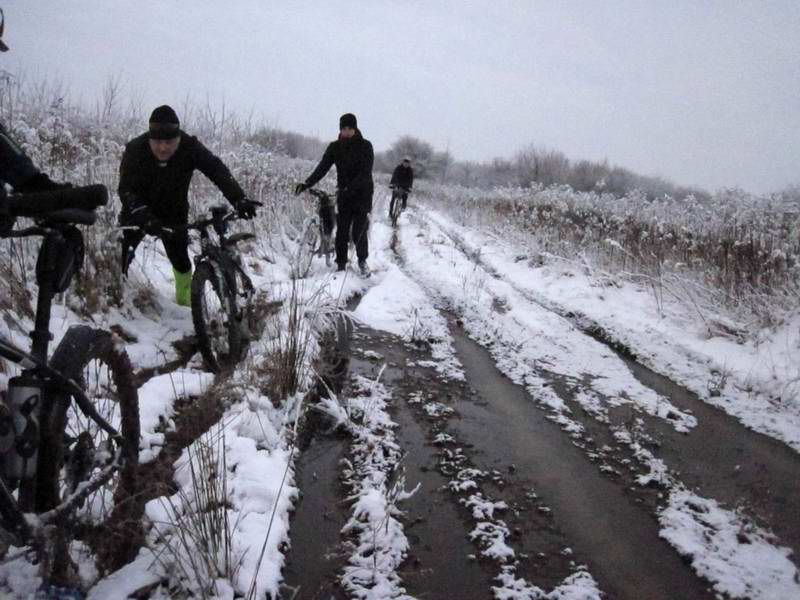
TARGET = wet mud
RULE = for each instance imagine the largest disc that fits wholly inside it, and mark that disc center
(562, 511)
(610, 532)
(720, 458)
(315, 556)
(442, 560)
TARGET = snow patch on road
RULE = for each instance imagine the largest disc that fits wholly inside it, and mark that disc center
(738, 557)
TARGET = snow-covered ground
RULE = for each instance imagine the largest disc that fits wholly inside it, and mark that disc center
(520, 312)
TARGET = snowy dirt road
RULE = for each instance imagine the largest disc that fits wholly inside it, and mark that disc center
(543, 463)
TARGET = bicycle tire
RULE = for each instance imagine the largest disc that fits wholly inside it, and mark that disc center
(249, 328)
(218, 333)
(306, 248)
(394, 208)
(326, 247)
(73, 446)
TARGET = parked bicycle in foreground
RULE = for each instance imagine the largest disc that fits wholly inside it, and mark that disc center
(221, 291)
(69, 429)
(397, 203)
(317, 236)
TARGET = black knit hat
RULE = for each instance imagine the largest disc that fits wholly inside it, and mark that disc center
(348, 120)
(164, 124)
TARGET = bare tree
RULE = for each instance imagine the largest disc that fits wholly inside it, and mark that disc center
(112, 89)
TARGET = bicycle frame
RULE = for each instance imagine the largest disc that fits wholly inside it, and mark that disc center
(29, 392)
(325, 221)
(223, 257)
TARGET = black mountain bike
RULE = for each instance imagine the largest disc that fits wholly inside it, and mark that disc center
(399, 194)
(222, 293)
(69, 429)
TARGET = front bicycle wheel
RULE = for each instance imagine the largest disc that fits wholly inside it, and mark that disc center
(77, 454)
(306, 248)
(394, 209)
(326, 247)
(214, 316)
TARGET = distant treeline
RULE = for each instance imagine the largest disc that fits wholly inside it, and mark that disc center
(532, 165)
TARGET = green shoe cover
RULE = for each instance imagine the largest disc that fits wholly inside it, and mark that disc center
(183, 287)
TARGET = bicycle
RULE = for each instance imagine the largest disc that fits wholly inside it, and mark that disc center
(69, 429)
(221, 291)
(399, 195)
(317, 237)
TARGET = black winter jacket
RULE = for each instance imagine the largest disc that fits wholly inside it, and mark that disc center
(353, 158)
(164, 187)
(15, 167)
(403, 177)
(17, 170)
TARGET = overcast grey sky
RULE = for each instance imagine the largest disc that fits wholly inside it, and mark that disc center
(702, 93)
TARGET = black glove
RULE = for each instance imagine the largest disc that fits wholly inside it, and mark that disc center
(246, 208)
(40, 183)
(300, 188)
(140, 216)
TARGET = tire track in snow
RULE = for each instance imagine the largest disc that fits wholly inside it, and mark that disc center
(515, 369)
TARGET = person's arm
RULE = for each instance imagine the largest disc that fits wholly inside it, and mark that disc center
(135, 210)
(17, 169)
(395, 175)
(210, 165)
(323, 167)
(410, 178)
(127, 194)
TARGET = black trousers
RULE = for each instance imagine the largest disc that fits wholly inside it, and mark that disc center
(351, 222)
(176, 246)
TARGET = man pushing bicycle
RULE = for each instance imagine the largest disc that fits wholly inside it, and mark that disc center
(154, 178)
(353, 157)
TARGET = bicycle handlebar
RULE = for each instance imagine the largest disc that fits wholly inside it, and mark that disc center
(198, 225)
(68, 204)
(319, 194)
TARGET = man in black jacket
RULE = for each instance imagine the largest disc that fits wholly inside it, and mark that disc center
(353, 157)
(403, 179)
(154, 179)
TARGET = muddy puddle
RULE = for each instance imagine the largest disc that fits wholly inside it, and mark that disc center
(315, 556)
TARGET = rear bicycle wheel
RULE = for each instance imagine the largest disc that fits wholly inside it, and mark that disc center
(75, 450)
(214, 317)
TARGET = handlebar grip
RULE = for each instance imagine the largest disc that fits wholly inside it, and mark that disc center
(73, 215)
(39, 204)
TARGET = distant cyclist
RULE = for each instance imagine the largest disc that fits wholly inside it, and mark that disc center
(154, 178)
(353, 157)
(403, 179)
